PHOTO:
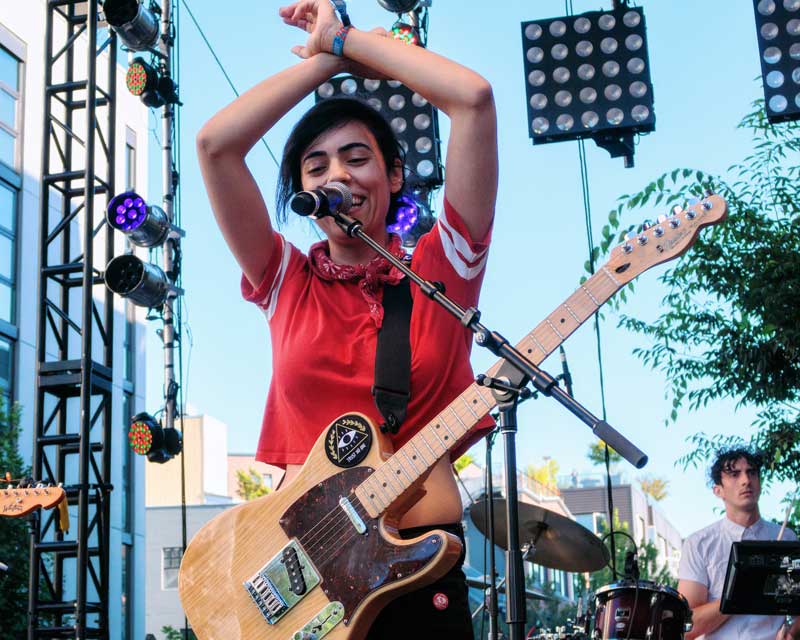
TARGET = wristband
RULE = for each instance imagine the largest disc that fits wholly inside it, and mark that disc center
(337, 48)
(341, 9)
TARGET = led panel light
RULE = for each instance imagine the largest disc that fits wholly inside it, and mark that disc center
(413, 119)
(778, 32)
(587, 76)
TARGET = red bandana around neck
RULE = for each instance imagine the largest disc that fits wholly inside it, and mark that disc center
(371, 276)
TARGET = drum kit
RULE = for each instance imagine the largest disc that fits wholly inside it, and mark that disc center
(629, 609)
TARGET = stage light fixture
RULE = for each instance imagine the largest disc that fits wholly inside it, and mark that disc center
(399, 6)
(135, 24)
(414, 217)
(145, 225)
(778, 32)
(414, 120)
(154, 89)
(588, 76)
(143, 283)
(405, 33)
(147, 437)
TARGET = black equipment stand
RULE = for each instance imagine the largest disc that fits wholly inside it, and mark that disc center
(515, 373)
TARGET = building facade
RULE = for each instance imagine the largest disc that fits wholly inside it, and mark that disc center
(587, 498)
(22, 77)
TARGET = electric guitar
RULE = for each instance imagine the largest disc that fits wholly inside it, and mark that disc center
(321, 557)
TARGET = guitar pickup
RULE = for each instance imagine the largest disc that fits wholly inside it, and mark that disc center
(297, 583)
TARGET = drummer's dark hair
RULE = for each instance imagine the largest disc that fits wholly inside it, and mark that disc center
(726, 458)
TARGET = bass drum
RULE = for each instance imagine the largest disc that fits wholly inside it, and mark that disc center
(640, 610)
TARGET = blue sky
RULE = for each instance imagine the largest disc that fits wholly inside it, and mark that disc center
(705, 70)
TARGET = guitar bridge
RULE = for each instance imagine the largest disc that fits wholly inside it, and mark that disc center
(282, 582)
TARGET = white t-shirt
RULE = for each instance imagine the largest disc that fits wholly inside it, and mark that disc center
(704, 559)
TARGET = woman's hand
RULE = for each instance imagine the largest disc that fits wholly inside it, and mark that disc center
(318, 19)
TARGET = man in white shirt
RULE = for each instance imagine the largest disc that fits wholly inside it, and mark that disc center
(736, 480)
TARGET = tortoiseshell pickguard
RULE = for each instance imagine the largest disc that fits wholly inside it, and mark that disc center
(362, 563)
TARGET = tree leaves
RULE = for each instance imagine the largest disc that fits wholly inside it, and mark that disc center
(731, 321)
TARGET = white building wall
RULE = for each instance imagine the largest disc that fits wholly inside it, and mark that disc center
(22, 32)
(215, 457)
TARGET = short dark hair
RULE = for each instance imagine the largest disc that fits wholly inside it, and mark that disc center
(726, 458)
(325, 116)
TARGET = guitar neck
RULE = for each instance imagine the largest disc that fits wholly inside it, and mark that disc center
(418, 456)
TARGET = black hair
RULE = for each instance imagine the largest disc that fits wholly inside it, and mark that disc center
(728, 456)
(325, 116)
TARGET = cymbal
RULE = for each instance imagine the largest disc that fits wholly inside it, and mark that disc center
(483, 582)
(560, 543)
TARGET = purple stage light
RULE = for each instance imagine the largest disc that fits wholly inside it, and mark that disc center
(145, 226)
(407, 214)
(131, 211)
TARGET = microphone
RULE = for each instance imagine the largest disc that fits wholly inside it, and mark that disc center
(331, 198)
(566, 376)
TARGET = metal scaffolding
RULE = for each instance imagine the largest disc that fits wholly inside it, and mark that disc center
(69, 575)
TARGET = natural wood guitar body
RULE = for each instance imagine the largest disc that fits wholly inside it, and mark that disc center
(363, 571)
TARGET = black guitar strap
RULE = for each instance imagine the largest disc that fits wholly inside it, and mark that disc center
(393, 357)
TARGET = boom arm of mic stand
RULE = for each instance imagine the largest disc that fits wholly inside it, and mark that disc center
(498, 345)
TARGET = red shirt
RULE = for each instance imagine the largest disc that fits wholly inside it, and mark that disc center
(324, 339)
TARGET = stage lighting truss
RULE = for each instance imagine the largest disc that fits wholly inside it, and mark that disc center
(136, 25)
(150, 84)
(778, 29)
(414, 120)
(147, 437)
(588, 76)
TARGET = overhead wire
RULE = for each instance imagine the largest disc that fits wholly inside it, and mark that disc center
(224, 71)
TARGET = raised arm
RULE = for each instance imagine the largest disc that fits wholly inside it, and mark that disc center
(223, 143)
(465, 96)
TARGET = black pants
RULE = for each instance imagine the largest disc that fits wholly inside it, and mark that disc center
(414, 616)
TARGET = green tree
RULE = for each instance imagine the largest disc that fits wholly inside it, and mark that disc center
(463, 462)
(649, 568)
(546, 474)
(14, 534)
(251, 484)
(731, 325)
(171, 633)
(654, 487)
(597, 454)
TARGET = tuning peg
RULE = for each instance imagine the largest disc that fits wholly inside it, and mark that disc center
(630, 235)
(646, 225)
(662, 218)
(676, 210)
(693, 201)
(709, 193)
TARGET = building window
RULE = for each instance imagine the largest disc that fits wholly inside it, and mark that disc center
(130, 167)
(267, 480)
(8, 253)
(6, 371)
(126, 621)
(170, 564)
(9, 108)
(127, 497)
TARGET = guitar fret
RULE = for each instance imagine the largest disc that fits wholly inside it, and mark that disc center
(382, 488)
(419, 453)
(553, 327)
(461, 422)
(374, 495)
(591, 297)
(387, 485)
(469, 408)
(427, 444)
(538, 344)
(447, 427)
(441, 442)
(411, 462)
(572, 313)
(611, 277)
(396, 474)
(479, 393)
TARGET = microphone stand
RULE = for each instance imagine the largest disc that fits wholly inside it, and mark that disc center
(514, 374)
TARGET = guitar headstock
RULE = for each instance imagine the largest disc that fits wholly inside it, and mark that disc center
(21, 501)
(669, 237)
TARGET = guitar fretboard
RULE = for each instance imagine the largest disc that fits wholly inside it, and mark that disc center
(418, 456)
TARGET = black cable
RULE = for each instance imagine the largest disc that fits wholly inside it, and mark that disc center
(224, 72)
